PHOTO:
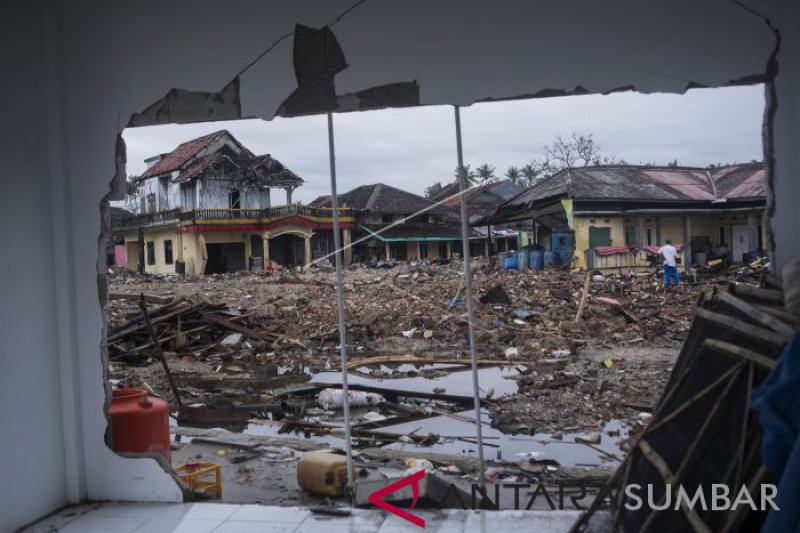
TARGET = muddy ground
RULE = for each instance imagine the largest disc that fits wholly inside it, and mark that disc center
(600, 376)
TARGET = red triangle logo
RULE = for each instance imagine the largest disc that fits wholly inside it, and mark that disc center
(376, 498)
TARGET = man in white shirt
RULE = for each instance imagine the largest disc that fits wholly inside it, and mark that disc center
(671, 276)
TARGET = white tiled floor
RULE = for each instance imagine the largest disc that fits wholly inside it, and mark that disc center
(227, 518)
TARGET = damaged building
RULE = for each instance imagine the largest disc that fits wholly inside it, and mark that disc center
(389, 225)
(618, 216)
(206, 208)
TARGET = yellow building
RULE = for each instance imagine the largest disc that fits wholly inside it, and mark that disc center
(206, 208)
(616, 217)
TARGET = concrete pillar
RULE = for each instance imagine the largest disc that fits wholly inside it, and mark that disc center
(657, 221)
(488, 243)
(265, 242)
(308, 249)
(289, 191)
(752, 232)
(449, 250)
(179, 242)
(140, 245)
(248, 250)
(202, 254)
(419, 250)
(388, 255)
(641, 238)
(348, 251)
(687, 243)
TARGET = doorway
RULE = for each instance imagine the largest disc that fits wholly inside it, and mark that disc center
(225, 257)
(738, 242)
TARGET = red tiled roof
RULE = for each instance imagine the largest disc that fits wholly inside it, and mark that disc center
(180, 155)
(200, 165)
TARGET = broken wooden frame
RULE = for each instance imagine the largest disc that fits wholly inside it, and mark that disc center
(702, 430)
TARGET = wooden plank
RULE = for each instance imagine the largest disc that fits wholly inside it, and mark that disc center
(751, 291)
(737, 351)
(150, 298)
(756, 314)
(247, 332)
(133, 329)
(661, 465)
(742, 328)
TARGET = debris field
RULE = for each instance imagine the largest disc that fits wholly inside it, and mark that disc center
(578, 356)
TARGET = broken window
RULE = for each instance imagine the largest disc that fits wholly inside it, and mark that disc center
(168, 252)
(151, 253)
(234, 199)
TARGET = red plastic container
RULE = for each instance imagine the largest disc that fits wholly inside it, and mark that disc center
(139, 423)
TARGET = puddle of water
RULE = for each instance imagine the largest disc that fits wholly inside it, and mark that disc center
(566, 451)
(454, 383)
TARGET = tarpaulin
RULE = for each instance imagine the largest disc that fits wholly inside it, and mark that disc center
(611, 250)
(567, 203)
(778, 405)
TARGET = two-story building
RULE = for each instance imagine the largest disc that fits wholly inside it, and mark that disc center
(206, 207)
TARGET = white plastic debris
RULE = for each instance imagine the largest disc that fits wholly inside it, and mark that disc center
(330, 399)
(512, 352)
(372, 416)
(232, 340)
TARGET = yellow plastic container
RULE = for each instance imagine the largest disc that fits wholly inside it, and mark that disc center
(206, 477)
(322, 473)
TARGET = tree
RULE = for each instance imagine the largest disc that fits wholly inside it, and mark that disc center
(577, 150)
(485, 173)
(434, 189)
(131, 195)
(472, 177)
(514, 174)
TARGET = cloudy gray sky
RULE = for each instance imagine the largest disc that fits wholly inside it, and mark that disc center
(412, 148)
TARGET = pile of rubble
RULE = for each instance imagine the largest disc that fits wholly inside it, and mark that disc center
(582, 346)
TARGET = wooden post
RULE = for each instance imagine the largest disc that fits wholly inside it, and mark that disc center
(687, 244)
(582, 304)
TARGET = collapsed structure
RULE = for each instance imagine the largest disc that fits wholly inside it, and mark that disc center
(206, 207)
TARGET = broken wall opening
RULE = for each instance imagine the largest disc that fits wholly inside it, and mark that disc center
(405, 318)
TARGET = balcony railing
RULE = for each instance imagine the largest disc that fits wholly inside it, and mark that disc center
(188, 217)
(147, 220)
(204, 216)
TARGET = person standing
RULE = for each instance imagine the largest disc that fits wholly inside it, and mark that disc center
(671, 276)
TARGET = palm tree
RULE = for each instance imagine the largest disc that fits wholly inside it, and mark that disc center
(514, 174)
(485, 173)
(471, 176)
(530, 173)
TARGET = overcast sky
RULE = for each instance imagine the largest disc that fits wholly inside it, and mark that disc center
(412, 148)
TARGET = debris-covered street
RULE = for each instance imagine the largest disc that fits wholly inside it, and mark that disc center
(255, 357)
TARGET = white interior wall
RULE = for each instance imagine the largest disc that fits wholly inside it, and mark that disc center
(81, 69)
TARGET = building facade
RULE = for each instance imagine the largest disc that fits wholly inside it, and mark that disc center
(206, 208)
(394, 224)
(618, 216)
